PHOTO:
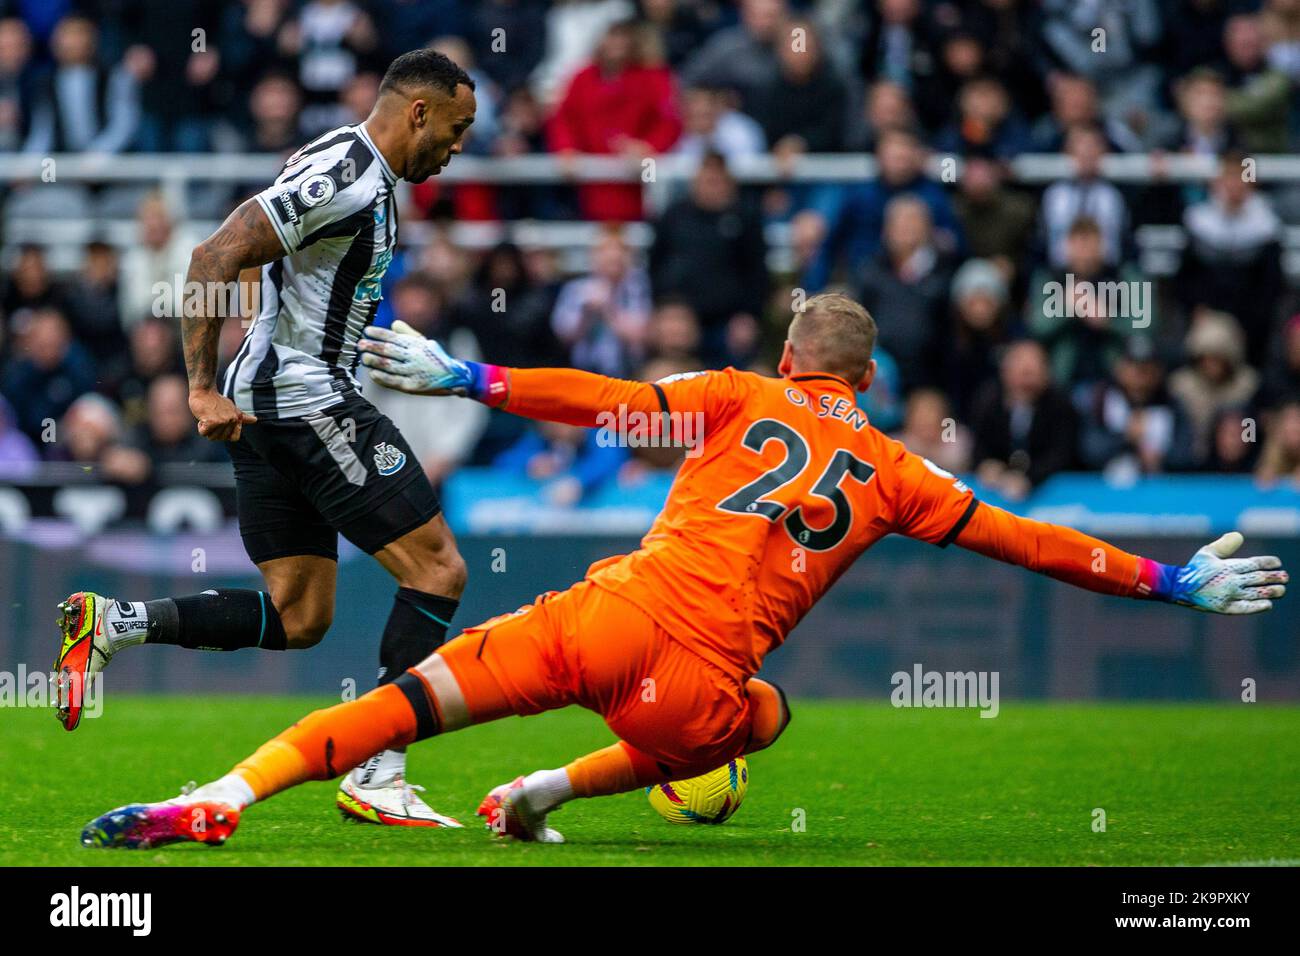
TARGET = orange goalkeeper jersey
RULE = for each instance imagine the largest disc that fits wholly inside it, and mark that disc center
(784, 485)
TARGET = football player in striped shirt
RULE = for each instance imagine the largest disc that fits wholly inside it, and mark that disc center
(313, 459)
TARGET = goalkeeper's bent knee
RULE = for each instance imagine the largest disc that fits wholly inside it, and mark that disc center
(769, 714)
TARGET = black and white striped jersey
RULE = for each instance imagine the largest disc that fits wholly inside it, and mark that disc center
(333, 208)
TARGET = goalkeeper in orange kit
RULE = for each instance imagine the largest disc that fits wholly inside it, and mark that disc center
(786, 484)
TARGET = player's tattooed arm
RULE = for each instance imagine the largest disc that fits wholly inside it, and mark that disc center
(245, 240)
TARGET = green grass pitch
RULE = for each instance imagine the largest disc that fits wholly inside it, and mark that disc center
(1179, 784)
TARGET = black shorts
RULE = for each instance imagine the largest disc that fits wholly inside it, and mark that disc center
(300, 482)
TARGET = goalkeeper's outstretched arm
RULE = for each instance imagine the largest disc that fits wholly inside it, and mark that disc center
(404, 360)
(1212, 581)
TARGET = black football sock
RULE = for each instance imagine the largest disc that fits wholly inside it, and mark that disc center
(217, 620)
(417, 626)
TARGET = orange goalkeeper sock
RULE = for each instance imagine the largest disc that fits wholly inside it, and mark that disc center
(615, 769)
(330, 742)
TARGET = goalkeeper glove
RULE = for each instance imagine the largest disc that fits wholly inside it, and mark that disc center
(401, 358)
(1215, 581)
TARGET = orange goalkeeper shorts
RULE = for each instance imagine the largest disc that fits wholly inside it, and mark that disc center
(589, 646)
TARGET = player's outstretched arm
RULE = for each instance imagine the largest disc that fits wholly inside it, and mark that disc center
(244, 240)
(401, 358)
(1212, 580)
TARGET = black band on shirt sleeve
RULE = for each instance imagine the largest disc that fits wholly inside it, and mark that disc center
(964, 520)
(663, 399)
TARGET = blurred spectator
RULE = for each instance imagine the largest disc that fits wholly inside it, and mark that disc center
(674, 336)
(1192, 33)
(1124, 75)
(523, 132)
(153, 350)
(448, 265)
(30, 284)
(510, 312)
(1280, 458)
(91, 434)
(986, 121)
(1234, 445)
(167, 435)
(92, 298)
(802, 108)
(522, 125)
(905, 287)
(742, 58)
(49, 370)
(1008, 32)
(961, 63)
(930, 431)
(851, 219)
(1074, 103)
(572, 462)
(248, 44)
(418, 300)
(175, 60)
(359, 97)
(330, 40)
(1203, 111)
(573, 31)
(20, 78)
(16, 449)
(679, 26)
(711, 125)
(1233, 258)
(274, 103)
(155, 269)
(1282, 27)
(509, 39)
(886, 107)
(1083, 312)
(1217, 377)
(1258, 95)
(601, 317)
(404, 24)
(979, 331)
(1085, 193)
(83, 105)
(616, 106)
(1024, 428)
(709, 250)
(901, 48)
(1131, 425)
(998, 223)
(1282, 374)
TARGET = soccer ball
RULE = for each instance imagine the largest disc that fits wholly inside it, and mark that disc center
(709, 798)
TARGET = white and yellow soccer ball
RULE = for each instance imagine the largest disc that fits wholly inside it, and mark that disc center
(709, 798)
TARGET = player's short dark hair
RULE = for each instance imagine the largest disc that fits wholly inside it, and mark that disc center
(424, 68)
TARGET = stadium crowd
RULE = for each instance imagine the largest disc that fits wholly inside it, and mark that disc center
(984, 367)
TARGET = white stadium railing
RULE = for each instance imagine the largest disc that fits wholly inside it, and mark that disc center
(176, 174)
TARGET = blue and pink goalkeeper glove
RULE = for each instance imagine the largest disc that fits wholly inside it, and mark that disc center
(402, 359)
(1214, 581)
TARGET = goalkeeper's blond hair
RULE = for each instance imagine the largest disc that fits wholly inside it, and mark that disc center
(834, 334)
